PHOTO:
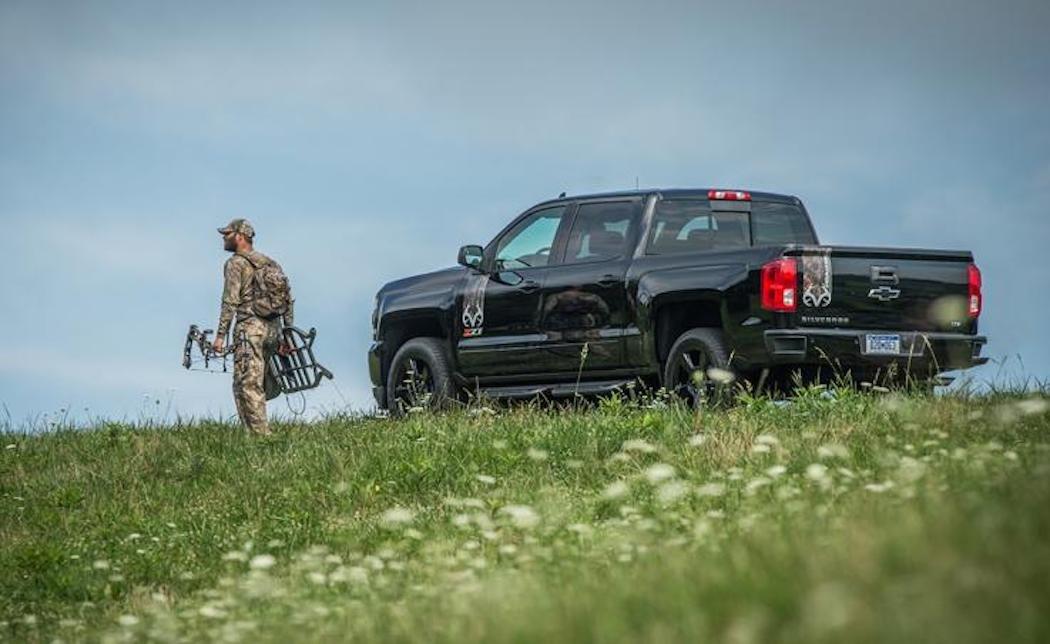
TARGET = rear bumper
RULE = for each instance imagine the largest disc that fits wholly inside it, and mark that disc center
(846, 347)
(375, 372)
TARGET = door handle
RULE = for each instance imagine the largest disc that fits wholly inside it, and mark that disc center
(608, 280)
(529, 286)
(884, 275)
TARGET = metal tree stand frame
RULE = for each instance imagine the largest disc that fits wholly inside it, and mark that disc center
(299, 370)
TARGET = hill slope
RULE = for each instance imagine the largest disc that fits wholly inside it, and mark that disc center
(837, 517)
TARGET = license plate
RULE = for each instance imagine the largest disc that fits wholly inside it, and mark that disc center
(886, 344)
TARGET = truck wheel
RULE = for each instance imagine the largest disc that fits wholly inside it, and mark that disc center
(419, 377)
(686, 370)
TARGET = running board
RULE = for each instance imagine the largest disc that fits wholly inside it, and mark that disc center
(556, 390)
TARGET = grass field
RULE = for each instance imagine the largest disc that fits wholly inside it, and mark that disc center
(838, 517)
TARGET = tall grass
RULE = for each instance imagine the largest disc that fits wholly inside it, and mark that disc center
(837, 517)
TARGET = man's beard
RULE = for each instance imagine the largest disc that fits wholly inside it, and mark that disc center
(230, 244)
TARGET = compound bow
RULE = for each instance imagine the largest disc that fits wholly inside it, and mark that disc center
(200, 339)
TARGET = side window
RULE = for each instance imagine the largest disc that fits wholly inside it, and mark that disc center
(684, 226)
(529, 243)
(600, 231)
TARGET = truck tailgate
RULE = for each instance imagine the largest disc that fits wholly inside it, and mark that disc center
(883, 288)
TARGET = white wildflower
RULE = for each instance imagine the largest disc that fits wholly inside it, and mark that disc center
(721, 376)
(711, 489)
(235, 555)
(1031, 406)
(775, 471)
(521, 516)
(696, 440)
(756, 484)
(910, 469)
(486, 479)
(134, 536)
(767, 439)
(536, 454)
(101, 564)
(671, 491)
(760, 448)
(211, 612)
(11, 446)
(659, 472)
(637, 445)
(397, 516)
(832, 450)
(615, 490)
(356, 575)
(127, 620)
(262, 562)
(581, 529)
(878, 488)
(508, 549)
(317, 578)
(816, 472)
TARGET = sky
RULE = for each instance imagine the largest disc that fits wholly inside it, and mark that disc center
(367, 141)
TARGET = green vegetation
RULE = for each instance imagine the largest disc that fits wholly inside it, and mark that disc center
(838, 517)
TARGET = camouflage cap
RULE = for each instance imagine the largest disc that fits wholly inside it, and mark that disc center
(242, 226)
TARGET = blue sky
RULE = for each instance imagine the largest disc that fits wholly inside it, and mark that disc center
(368, 141)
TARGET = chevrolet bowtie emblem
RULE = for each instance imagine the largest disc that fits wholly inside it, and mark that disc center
(884, 293)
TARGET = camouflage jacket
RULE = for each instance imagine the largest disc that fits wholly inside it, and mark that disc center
(238, 292)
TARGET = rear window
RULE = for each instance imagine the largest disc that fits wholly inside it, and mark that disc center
(685, 225)
(780, 223)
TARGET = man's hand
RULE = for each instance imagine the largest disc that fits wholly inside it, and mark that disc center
(218, 345)
(284, 348)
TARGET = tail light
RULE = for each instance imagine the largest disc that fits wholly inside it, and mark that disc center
(974, 279)
(779, 283)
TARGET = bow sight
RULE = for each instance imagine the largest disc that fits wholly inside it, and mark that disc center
(293, 370)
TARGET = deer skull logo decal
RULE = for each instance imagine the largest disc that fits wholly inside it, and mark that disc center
(474, 306)
(816, 277)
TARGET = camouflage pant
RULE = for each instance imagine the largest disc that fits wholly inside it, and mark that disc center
(256, 341)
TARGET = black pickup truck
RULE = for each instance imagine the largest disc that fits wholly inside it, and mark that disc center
(580, 295)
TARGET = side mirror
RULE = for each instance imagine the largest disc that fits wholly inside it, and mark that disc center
(470, 256)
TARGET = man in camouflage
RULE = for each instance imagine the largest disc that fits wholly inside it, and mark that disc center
(256, 338)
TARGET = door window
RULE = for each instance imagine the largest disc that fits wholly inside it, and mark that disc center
(529, 243)
(599, 232)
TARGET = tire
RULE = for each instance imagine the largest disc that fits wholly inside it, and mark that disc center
(697, 350)
(419, 377)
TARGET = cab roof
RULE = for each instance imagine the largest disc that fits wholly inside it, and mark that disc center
(696, 193)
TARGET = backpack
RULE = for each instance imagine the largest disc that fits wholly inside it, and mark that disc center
(271, 291)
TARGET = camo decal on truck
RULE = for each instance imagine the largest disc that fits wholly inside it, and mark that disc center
(816, 277)
(474, 306)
